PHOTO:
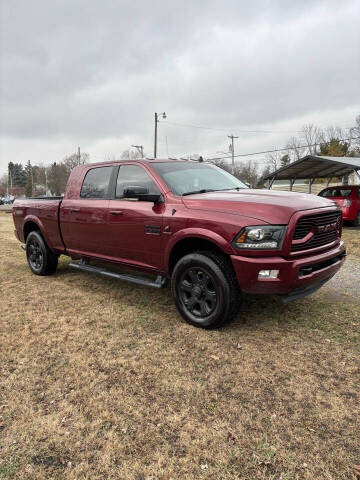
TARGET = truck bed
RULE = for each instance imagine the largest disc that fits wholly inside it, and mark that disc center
(44, 212)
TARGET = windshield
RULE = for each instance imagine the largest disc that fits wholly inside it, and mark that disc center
(336, 192)
(184, 178)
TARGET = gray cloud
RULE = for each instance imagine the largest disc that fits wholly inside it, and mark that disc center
(94, 73)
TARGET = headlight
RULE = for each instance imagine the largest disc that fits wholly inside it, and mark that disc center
(263, 237)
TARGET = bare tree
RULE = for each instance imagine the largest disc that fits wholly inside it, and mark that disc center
(130, 154)
(248, 173)
(73, 161)
(3, 184)
(265, 172)
(311, 136)
(273, 160)
(332, 133)
(295, 148)
(354, 135)
(109, 157)
(221, 164)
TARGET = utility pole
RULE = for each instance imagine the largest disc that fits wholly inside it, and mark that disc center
(232, 152)
(78, 155)
(163, 115)
(32, 181)
(140, 149)
(9, 182)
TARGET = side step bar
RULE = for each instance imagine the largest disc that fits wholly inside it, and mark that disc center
(84, 266)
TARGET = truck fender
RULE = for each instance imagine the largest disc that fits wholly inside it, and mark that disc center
(37, 221)
(202, 233)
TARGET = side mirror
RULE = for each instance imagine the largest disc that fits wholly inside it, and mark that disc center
(141, 193)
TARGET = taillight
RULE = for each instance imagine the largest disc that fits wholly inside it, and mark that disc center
(347, 203)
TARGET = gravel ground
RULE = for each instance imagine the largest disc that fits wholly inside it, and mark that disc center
(345, 284)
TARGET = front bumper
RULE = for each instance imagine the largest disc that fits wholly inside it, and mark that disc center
(301, 276)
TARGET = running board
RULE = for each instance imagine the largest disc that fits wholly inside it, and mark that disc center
(158, 283)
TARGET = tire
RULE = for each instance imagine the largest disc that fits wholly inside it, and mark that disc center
(205, 289)
(41, 260)
(356, 222)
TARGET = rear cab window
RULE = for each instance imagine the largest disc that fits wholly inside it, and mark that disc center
(96, 183)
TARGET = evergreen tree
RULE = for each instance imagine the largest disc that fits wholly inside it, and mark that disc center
(284, 160)
(29, 180)
(334, 148)
(18, 175)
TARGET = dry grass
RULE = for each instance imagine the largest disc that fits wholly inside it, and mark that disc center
(102, 380)
(351, 237)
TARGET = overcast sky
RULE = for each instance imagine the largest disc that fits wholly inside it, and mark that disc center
(92, 73)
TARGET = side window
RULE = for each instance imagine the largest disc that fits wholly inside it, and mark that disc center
(358, 192)
(131, 176)
(96, 183)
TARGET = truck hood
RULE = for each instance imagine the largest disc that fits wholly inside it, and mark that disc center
(274, 207)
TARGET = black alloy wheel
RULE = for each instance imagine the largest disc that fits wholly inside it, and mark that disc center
(35, 255)
(205, 289)
(41, 260)
(198, 291)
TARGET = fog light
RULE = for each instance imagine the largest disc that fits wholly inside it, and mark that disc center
(268, 273)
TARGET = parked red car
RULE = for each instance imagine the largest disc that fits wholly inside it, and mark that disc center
(189, 222)
(348, 197)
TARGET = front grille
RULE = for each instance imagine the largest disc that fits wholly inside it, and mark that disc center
(312, 223)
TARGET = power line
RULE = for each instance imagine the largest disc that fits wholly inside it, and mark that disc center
(275, 150)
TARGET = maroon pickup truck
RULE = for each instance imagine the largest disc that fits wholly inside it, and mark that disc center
(189, 222)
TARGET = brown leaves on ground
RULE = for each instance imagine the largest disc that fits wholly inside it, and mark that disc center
(101, 379)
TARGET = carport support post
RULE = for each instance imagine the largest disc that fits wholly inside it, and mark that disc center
(357, 173)
(271, 183)
(292, 181)
(311, 181)
(328, 180)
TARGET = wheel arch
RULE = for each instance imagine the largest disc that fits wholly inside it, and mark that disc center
(29, 227)
(31, 224)
(193, 242)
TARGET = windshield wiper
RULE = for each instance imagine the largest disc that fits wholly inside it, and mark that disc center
(206, 190)
(203, 190)
(234, 188)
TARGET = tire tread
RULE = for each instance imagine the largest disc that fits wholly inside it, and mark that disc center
(224, 266)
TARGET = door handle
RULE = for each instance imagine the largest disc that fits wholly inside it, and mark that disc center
(75, 209)
(116, 212)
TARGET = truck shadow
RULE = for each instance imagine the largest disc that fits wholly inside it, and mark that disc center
(255, 311)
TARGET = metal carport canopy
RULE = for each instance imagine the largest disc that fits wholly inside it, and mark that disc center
(316, 167)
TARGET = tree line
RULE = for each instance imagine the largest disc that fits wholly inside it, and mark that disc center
(311, 140)
(36, 180)
(314, 140)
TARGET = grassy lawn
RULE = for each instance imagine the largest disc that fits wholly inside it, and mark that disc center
(102, 380)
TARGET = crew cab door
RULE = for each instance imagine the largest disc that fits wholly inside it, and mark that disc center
(83, 219)
(135, 226)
